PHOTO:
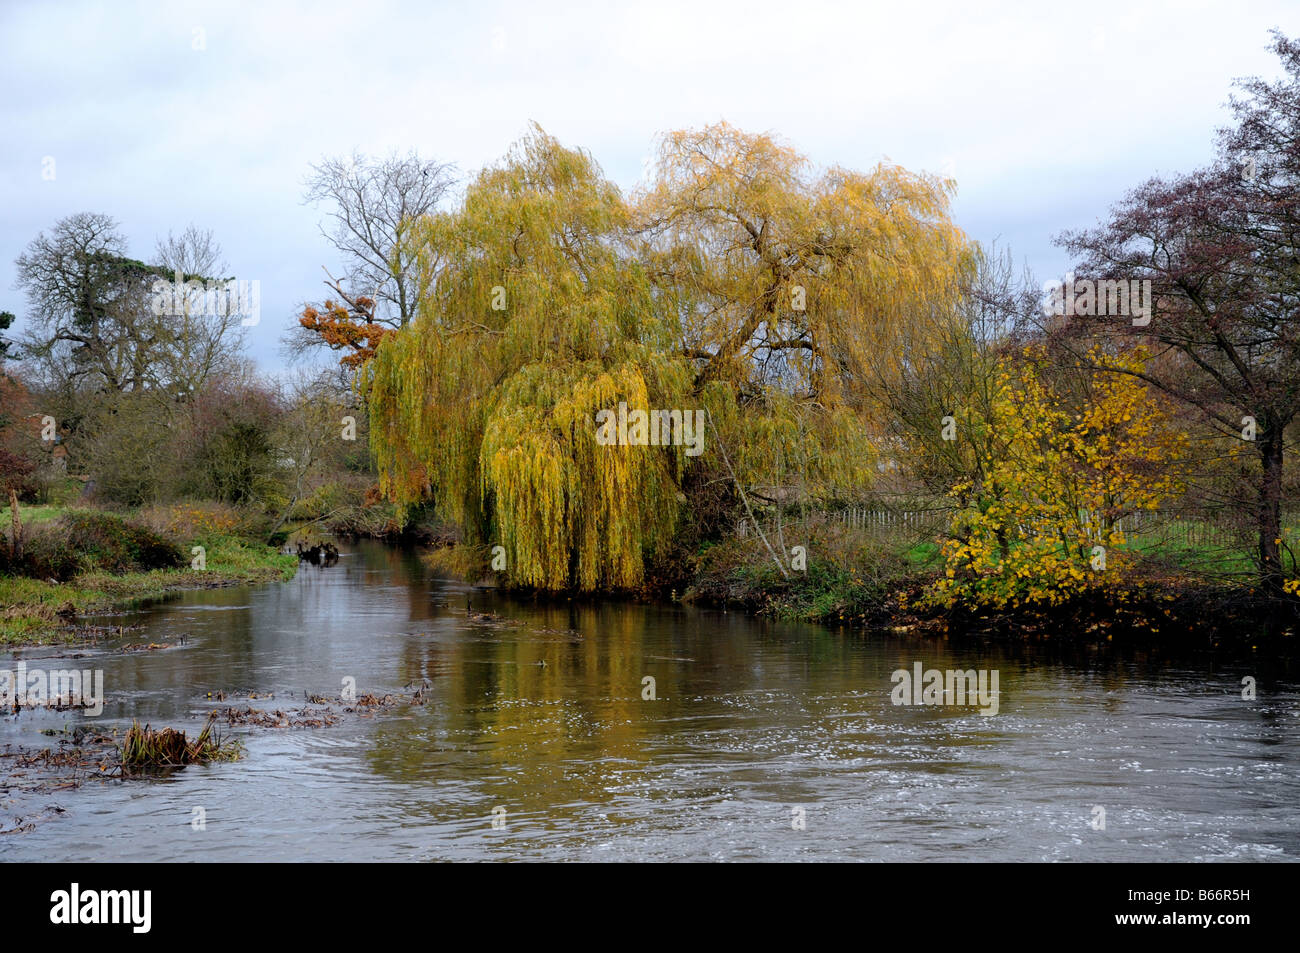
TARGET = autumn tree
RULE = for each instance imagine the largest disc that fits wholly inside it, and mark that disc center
(19, 446)
(347, 323)
(536, 317)
(792, 287)
(1219, 247)
(1060, 467)
(782, 273)
(15, 469)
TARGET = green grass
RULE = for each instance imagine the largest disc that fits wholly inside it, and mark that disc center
(234, 554)
(923, 555)
(36, 513)
(825, 592)
(1194, 547)
(30, 607)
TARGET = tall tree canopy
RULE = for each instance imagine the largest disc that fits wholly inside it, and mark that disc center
(793, 287)
(738, 284)
(93, 316)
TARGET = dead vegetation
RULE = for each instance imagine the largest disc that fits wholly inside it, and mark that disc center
(309, 715)
(300, 718)
(145, 748)
(86, 753)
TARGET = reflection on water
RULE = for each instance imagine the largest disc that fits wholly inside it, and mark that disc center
(751, 720)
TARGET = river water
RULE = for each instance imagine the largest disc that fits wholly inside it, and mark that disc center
(764, 741)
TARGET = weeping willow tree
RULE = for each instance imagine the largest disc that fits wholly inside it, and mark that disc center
(737, 283)
(538, 317)
(792, 289)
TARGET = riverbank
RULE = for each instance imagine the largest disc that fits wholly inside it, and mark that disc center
(44, 613)
(850, 579)
(893, 592)
(1196, 598)
(82, 562)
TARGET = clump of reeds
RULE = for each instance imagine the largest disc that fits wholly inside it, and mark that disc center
(167, 747)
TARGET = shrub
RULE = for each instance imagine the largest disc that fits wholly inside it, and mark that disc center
(85, 540)
(45, 555)
(108, 542)
(848, 573)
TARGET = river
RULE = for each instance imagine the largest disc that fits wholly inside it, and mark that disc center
(764, 741)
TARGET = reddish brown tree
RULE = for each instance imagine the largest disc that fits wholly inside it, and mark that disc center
(1221, 247)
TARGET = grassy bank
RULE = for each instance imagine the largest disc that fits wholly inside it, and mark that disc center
(1168, 607)
(843, 577)
(102, 572)
(1184, 585)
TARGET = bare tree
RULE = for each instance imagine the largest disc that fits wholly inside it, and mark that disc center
(98, 321)
(199, 341)
(371, 203)
(193, 252)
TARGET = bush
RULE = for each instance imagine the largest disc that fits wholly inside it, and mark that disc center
(85, 540)
(127, 445)
(56, 488)
(46, 555)
(326, 499)
(848, 574)
(108, 542)
(16, 473)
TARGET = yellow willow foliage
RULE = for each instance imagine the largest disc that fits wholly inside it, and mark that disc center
(787, 278)
(561, 496)
(791, 444)
(1058, 473)
(535, 319)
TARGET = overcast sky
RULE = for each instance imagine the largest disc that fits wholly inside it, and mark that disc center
(170, 113)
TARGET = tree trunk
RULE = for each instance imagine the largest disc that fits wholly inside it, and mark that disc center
(744, 498)
(15, 541)
(1270, 510)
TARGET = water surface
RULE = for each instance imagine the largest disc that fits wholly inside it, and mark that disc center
(752, 719)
